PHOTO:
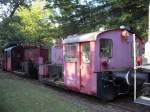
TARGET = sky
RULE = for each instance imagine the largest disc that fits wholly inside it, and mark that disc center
(3, 8)
(83, 2)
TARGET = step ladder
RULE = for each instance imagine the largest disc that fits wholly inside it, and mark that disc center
(143, 100)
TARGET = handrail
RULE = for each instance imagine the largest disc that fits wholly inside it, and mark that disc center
(134, 61)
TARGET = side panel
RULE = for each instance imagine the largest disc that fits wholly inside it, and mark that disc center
(87, 75)
(71, 75)
(121, 52)
(44, 54)
(79, 74)
(57, 55)
(31, 54)
(8, 61)
(43, 70)
(72, 70)
(9, 64)
(93, 85)
(85, 70)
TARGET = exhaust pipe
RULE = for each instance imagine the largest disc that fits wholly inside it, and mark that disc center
(128, 77)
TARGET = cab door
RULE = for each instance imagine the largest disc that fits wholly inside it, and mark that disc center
(85, 69)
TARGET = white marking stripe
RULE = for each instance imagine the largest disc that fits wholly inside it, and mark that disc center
(145, 98)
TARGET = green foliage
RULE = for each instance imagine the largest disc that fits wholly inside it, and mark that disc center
(10, 31)
(41, 24)
(133, 14)
(29, 25)
(35, 22)
(77, 17)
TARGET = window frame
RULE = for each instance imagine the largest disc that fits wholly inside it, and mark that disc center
(89, 58)
(70, 52)
(100, 53)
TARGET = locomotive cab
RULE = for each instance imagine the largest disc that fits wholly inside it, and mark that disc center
(101, 63)
(114, 63)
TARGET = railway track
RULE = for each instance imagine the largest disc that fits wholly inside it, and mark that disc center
(122, 103)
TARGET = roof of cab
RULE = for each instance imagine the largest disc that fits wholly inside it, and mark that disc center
(88, 36)
(81, 38)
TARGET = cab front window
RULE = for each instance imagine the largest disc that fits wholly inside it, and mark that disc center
(106, 48)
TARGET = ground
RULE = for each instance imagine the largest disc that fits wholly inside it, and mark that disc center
(18, 94)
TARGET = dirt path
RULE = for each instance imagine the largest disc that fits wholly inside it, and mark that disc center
(59, 99)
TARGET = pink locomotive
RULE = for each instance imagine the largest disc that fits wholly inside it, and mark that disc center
(97, 63)
(100, 63)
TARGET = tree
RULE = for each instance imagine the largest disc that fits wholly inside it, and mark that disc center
(77, 17)
(125, 12)
(28, 25)
(10, 31)
(35, 22)
(59, 18)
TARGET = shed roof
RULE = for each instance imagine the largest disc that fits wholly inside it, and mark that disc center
(9, 48)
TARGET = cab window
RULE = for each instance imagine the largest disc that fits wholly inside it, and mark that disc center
(106, 48)
(70, 52)
(86, 53)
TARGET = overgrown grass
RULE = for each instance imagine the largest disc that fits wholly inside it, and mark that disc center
(17, 95)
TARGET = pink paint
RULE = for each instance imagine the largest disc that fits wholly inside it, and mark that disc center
(9, 61)
(57, 54)
(80, 70)
(122, 57)
(35, 54)
(43, 70)
(79, 73)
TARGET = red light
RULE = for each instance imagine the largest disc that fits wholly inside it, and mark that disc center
(124, 34)
(142, 40)
(139, 60)
(104, 63)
